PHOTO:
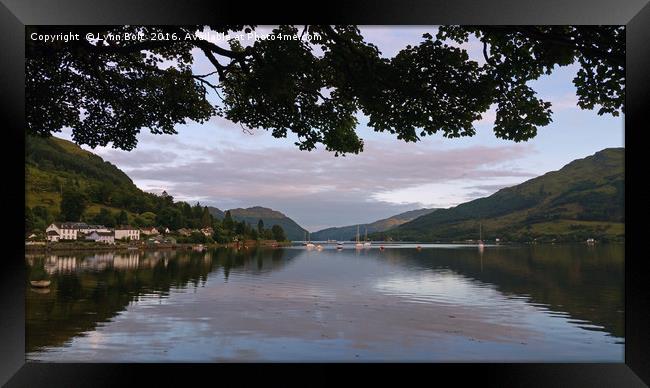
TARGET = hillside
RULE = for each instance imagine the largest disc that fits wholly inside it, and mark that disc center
(349, 232)
(583, 199)
(270, 217)
(53, 164)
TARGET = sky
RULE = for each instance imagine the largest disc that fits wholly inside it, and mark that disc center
(219, 164)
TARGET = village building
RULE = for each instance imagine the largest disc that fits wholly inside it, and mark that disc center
(184, 232)
(161, 240)
(101, 237)
(53, 235)
(152, 231)
(127, 233)
(207, 231)
(70, 230)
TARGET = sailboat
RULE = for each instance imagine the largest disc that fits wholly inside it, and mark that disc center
(480, 239)
(358, 245)
(366, 243)
(308, 244)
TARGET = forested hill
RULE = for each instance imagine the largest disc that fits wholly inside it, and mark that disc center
(269, 217)
(584, 199)
(96, 191)
(54, 166)
(349, 232)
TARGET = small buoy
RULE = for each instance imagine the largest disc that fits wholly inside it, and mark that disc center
(381, 247)
(419, 247)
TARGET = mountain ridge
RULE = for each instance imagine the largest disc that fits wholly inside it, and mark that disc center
(348, 232)
(583, 199)
(269, 217)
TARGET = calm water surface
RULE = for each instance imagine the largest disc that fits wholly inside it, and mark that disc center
(557, 303)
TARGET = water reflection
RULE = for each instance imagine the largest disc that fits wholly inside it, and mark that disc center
(91, 288)
(586, 283)
(291, 304)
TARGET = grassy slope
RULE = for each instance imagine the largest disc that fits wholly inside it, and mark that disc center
(583, 199)
(53, 159)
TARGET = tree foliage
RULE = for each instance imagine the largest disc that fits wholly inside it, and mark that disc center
(105, 217)
(107, 91)
(73, 204)
(278, 233)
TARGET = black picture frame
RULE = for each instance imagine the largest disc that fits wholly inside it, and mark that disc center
(16, 14)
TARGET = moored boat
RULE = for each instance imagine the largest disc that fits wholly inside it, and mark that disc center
(308, 243)
(358, 244)
(366, 243)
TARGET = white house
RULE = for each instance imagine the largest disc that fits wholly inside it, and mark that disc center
(102, 237)
(63, 230)
(127, 232)
(52, 235)
(70, 230)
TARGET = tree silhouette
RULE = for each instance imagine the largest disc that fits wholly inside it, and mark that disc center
(107, 91)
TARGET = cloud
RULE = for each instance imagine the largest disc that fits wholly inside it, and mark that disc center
(566, 101)
(480, 191)
(317, 187)
(138, 158)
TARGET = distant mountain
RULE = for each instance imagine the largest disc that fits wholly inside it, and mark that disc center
(584, 199)
(349, 232)
(270, 217)
(216, 212)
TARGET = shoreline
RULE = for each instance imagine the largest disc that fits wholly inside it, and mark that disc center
(56, 247)
(143, 247)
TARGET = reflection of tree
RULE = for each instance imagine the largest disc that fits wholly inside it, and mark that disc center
(587, 284)
(99, 286)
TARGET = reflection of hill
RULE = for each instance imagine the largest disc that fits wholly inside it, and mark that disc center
(587, 284)
(88, 289)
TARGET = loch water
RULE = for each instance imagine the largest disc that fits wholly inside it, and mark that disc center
(435, 302)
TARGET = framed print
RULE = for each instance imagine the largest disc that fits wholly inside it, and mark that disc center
(418, 187)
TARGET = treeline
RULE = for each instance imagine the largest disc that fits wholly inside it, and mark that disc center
(170, 214)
